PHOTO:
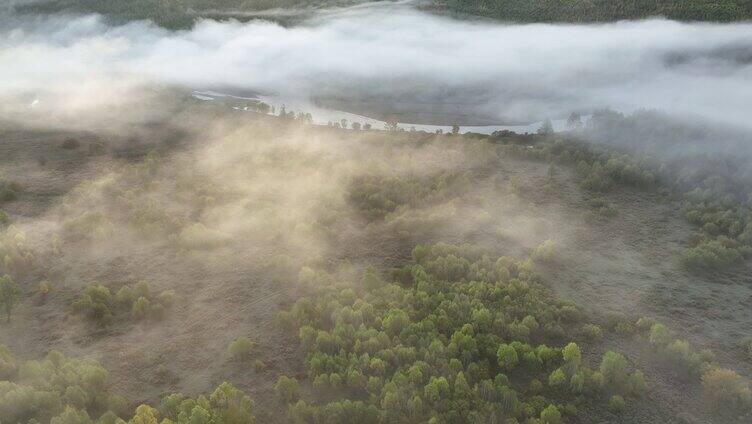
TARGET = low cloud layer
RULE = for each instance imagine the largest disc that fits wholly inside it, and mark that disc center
(389, 56)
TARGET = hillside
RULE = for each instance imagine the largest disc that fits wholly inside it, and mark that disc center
(180, 14)
(336, 273)
(583, 11)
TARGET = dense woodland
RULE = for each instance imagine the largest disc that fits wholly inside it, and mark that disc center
(182, 13)
(604, 10)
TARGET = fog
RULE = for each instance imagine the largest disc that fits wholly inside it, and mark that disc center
(378, 59)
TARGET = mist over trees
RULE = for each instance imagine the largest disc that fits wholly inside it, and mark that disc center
(170, 254)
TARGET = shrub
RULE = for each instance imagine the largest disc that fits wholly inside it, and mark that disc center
(8, 192)
(9, 292)
(507, 357)
(141, 308)
(681, 356)
(614, 370)
(577, 382)
(286, 389)
(592, 332)
(545, 252)
(725, 391)
(141, 289)
(747, 347)
(637, 386)
(240, 349)
(44, 288)
(617, 404)
(550, 415)
(645, 323)
(71, 416)
(7, 364)
(557, 378)
(711, 255)
(572, 357)
(624, 328)
(259, 365)
(659, 336)
(125, 296)
(95, 302)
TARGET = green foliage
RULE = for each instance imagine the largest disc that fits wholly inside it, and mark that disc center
(660, 337)
(286, 389)
(602, 209)
(8, 190)
(375, 197)
(7, 363)
(55, 389)
(450, 340)
(725, 391)
(551, 415)
(226, 405)
(507, 357)
(592, 332)
(683, 359)
(614, 369)
(678, 354)
(240, 349)
(17, 258)
(637, 386)
(713, 254)
(545, 252)
(9, 292)
(44, 288)
(71, 416)
(140, 308)
(557, 378)
(97, 303)
(617, 404)
(746, 346)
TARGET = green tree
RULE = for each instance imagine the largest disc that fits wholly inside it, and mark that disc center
(617, 404)
(557, 378)
(726, 391)
(230, 405)
(71, 416)
(614, 369)
(240, 349)
(551, 415)
(145, 414)
(286, 389)
(507, 357)
(141, 308)
(572, 357)
(637, 386)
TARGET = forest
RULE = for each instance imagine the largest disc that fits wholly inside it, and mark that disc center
(178, 14)
(604, 10)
